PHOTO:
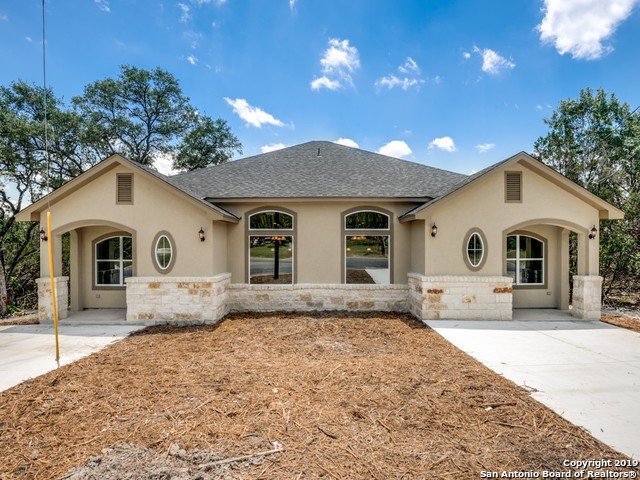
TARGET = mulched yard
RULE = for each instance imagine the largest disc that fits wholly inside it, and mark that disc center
(278, 396)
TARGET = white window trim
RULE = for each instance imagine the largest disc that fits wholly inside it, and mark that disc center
(518, 259)
(482, 250)
(121, 260)
(155, 252)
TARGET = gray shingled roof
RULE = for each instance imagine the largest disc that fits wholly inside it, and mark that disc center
(299, 171)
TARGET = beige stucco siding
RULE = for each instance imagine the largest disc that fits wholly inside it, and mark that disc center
(92, 212)
(546, 210)
(318, 239)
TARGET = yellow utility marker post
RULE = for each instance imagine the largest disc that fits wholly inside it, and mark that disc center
(54, 300)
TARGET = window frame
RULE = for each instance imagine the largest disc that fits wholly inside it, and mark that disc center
(271, 232)
(465, 249)
(154, 249)
(121, 260)
(516, 283)
(367, 232)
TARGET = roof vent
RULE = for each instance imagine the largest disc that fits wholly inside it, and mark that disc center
(318, 151)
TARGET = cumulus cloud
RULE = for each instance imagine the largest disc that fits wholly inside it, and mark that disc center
(103, 5)
(492, 62)
(325, 82)
(395, 148)
(485, 147)
(443, 143)
(186, 12)
(347, 142)
(192, 59)
(163, 162)
(254, 116)
(339, 61)
(466, 55)
(411, 72)
(272, 147)
(292, 5)
(579, 27)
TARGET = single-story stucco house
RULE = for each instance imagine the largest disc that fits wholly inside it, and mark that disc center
(321, 226)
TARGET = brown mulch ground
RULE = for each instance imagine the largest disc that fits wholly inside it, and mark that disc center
(357, 396)
(630, 322)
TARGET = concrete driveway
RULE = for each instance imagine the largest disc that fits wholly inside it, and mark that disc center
(27, 351)
(587, 372)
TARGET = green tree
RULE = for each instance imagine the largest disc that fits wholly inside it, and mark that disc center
(595, 141)
(25, 166)
(142, 114)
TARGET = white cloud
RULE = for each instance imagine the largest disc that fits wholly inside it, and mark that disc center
(325, 82)
(347, 142)
(29, 39)
(339, 61)
(410, 69)
(292, 5)
(466, 55)
(192, 59)
(410, 66)
(252, 115)
(443, 143)
(186, 12)
(272, 147)
(492, 62)
(579, 27)
(485, 147)
(392, 81)
(205, 2)
(163, 163)
(395, 148)
(103, 5)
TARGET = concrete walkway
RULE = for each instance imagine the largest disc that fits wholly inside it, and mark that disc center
(27, 351)
(587, 372)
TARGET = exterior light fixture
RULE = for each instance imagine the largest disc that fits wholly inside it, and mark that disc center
(434, 230)
(43, 235)
(593, 233)
(201, 234)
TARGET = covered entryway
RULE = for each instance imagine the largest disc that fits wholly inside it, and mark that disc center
(536, 255)
(97, 256)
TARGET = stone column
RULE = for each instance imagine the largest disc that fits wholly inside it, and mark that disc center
(45, 304)
(587, 297)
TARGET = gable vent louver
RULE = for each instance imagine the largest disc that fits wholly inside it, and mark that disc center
(513, 186)
(124, 192)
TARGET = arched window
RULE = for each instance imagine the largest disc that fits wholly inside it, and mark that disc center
(271, 235)
(367, 245)
(475, 249)
(113, 261)
(525, 260)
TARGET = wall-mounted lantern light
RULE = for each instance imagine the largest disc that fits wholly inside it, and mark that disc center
(201, 234)
(43, 235)
(434, 230)
(593, 232)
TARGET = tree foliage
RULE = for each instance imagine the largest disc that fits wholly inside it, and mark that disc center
(595, 141)
(140, 114)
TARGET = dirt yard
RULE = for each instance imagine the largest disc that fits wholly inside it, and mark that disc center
(282, 396)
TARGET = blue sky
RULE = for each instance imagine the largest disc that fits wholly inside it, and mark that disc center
(454, 84)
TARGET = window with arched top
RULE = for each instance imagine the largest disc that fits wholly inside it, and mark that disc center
(270, 239)
(367, 246)
(113, 258)
(525, 259)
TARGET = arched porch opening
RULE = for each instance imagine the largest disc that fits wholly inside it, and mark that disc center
(97, 256)
(536, 254)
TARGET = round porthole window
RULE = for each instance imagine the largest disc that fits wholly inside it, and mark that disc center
(163, 252)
